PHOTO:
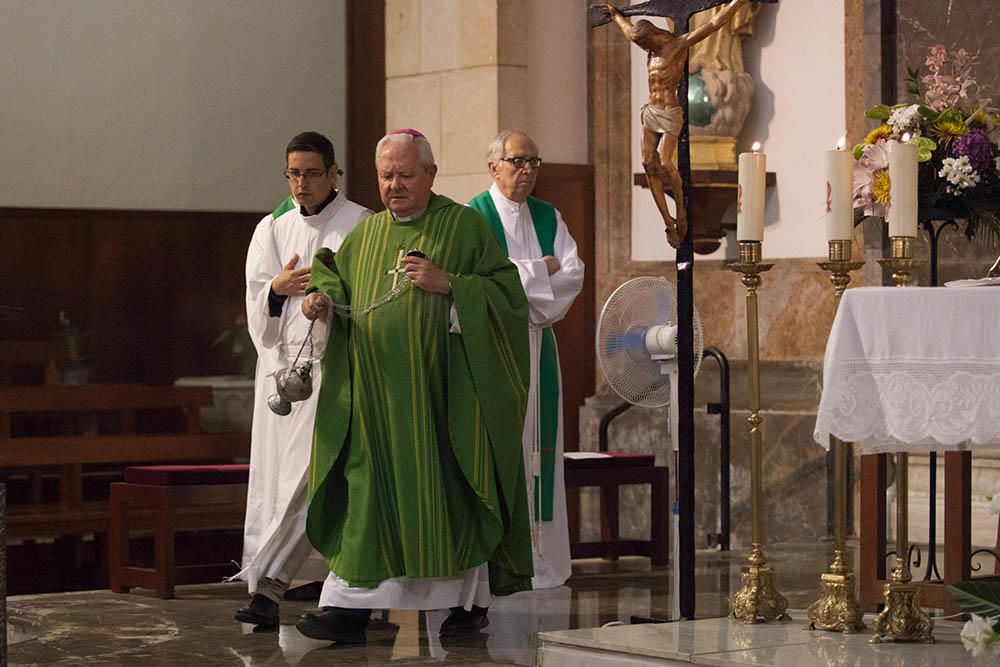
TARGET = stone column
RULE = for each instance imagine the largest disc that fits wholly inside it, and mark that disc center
(448, 65)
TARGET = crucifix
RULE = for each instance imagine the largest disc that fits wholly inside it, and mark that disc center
(665, 130)
(395, 273)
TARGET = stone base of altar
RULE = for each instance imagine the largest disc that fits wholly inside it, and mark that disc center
(796, 484)
(722, 641)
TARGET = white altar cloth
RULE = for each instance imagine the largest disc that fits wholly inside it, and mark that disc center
(913, 369)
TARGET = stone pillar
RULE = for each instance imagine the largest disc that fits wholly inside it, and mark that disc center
(448, 65)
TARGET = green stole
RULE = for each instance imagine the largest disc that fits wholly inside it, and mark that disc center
(543, 215)
(284, 207)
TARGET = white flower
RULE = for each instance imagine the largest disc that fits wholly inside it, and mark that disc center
(959, 174)
(997, 163)
(977, 634)
(905, 119)
(994, 503)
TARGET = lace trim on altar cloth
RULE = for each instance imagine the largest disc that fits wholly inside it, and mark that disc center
(949, 405)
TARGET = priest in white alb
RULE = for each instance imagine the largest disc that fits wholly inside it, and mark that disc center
(316, 215)
(537, 241)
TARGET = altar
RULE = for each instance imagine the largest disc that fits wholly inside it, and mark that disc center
(914, 370)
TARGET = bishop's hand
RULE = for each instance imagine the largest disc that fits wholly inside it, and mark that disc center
(423, 274)
(315, 305)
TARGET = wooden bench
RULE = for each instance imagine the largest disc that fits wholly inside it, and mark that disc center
(43, 356)
(213, 496)
(82, 445)
(610, 472)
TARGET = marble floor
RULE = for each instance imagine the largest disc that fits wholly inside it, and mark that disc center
(196, 628)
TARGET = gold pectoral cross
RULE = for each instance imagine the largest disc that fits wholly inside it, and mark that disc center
(399, 268)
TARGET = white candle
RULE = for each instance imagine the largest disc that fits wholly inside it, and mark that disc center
(839, 194)
(750, 195)
(903, 188)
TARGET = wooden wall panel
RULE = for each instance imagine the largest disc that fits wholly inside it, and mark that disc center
(571, 188)
(365, 98)
(153, 288)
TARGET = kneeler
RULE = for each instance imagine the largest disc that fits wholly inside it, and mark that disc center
(192, 497)
(610, 472)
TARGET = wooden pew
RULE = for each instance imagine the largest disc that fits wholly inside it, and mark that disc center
(43, 355)
(68, 453)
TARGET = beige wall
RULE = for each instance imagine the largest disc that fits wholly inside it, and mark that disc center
(145, 104)
(556, 57)
(461, 70)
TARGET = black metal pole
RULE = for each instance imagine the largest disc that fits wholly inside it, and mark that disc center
(685, 355)
(722, 408)
(933, 236)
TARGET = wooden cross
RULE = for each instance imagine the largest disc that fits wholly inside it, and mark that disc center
(680, 12)
(399, 268)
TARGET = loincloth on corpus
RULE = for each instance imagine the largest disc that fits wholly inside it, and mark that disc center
(663, 121)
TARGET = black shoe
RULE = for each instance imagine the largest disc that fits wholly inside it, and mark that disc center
(461, 622)
(336, 624)
(260, 611)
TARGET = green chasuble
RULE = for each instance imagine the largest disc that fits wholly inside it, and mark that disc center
(543, 217)
(417, 468)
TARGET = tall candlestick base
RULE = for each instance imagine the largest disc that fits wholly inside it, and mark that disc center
(901, 260)
(902, 620)
(757, 600)
(837, 608)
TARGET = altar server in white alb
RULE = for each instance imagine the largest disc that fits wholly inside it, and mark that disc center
(536, 239)
(316, 215)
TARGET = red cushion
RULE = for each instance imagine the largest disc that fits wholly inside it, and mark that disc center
(612, 460)
(188, 475)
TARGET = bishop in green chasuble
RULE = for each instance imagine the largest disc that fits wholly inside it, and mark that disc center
(416, 464)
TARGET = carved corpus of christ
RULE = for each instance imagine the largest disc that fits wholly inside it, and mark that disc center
(662, 116)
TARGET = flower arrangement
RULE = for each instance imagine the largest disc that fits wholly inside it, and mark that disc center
(956, 135)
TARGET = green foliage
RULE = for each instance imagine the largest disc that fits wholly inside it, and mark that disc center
(978, 597)
(880, 112)
(925, 148)
(913, 81)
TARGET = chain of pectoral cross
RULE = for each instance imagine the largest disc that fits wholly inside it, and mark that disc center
(400, 281)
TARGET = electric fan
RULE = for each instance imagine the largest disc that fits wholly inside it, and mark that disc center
(637, 344)
(637, 352)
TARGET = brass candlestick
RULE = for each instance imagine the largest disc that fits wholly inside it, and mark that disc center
(900, 260)
(902, 620)
(837, 608)
(757, 600)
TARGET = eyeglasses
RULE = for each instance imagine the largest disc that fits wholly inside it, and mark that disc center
(521, 162)
(308, 174)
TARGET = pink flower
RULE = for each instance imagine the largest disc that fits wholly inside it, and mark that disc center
(948, 86)
(871, 178)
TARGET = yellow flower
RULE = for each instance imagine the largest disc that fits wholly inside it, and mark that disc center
(946, 130)
(880, 187)
(880, 132)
